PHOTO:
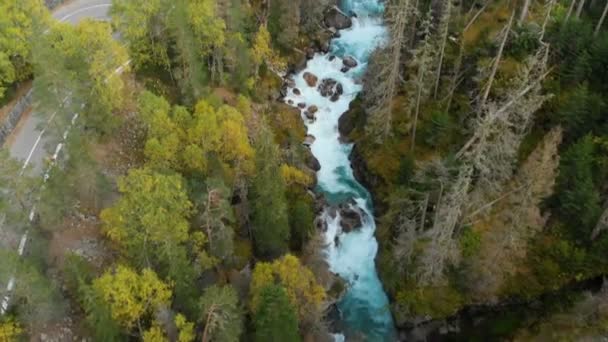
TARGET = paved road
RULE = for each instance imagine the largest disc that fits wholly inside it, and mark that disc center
(28, 140)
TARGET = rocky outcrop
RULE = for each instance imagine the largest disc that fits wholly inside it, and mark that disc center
(11, 120)
(313, 163)
(337, 19)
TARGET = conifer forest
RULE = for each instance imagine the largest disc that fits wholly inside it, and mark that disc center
(303, 170)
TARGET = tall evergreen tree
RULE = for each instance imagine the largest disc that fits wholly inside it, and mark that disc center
(275, 320)
(270, 220)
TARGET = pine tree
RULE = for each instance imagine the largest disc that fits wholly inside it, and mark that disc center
(275, 319)
(269, 204)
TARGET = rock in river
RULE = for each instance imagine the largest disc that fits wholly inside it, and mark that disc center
(349, 62)
(310, 79)
(351, 217)
(337, 19)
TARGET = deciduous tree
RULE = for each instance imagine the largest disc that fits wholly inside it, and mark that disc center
(221, 315)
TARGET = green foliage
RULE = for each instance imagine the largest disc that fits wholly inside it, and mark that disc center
(220, 314)
(275, 319)
(581, 111)
(301, 217)
(283, 23)
(130, 296)
(217, 220)
(19, 191)
(303, 291)
(179, 36)
(269, 204)
(577, 195)
(80, 63)
(150, 225)
(523, 42)
(436, 302)
(99, 316)
(438, 129)
(77, 184)
(19, 23)
(470, 242)
(406, 169)
(188, 142)
(38, 300)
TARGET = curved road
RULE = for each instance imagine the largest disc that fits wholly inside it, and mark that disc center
(28, 140)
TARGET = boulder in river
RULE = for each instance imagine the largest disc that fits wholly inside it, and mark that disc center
(301, 105)
(349, 61)
(310, 116)
(351, 216)
(290, 102)
(337, 19)
(326, 88)
(330, 88)
(345, 69)
(297, 91)
(309, 140)
(310, 79)
(313, 109)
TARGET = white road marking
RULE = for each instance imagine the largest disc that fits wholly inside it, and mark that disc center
(11, 283)
(80, 10)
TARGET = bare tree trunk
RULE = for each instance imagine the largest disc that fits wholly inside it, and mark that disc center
(570, 9)
(602, 18)
(550, 6)
(579, 9)
(446, 25)
(486, 93)
(524, 12)
(601, 225)
(418, 95)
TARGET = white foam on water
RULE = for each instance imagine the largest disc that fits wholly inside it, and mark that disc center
(364, 308)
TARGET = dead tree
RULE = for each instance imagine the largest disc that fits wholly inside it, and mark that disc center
(385, 72)
(549, 8)
(570, 9)
(579, 9)
(501, 128)
(422, 61)
(524, 12)
(601, 21)
(444, 29)
(497, 60)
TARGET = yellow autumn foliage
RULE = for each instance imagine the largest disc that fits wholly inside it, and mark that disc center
(304, 293)
(292, 175)
(130, 295)
(9, 331)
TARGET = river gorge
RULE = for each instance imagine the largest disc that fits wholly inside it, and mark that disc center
(323, 92)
